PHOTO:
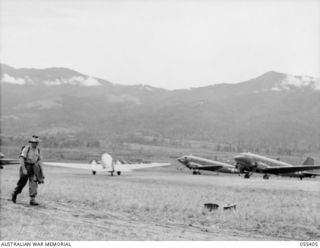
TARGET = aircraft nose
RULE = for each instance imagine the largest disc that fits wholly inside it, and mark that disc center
(181, 159)
(239, 157)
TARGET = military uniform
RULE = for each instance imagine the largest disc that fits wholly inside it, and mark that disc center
(30, 159)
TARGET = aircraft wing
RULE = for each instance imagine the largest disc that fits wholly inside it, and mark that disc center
(209, 168)
(310, 173)
(130, 167)
(99, 167)
(289, 169)
(74, 166)
(6, 161)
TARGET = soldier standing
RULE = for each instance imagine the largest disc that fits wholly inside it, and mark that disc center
(30, 169)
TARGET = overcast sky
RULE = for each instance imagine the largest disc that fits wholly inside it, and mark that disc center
(168, 44)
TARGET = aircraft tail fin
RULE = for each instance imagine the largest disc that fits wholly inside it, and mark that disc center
(309, 161)
(107, 162)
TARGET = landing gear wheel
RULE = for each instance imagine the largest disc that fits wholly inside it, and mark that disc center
(111, 173)
(94, 172)
(266, 176)
(118, 173)
(247, 175)
(194, 173)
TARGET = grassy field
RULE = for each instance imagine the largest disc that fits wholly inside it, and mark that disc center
(160, 204)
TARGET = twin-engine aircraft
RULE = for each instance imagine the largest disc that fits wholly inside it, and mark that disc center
(248, 163)
(108, 165)
(196, 164)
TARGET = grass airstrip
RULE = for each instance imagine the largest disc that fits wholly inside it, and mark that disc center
(160, 204)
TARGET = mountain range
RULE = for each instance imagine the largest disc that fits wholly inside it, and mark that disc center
(273, 109)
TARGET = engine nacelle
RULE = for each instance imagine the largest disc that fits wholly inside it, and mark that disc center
(241, 168)
(193, 165)
(260, 166)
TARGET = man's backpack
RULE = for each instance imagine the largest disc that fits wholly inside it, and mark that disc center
(27, 150)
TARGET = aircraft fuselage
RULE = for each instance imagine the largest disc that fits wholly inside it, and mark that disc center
(198, 163)
(248, 163)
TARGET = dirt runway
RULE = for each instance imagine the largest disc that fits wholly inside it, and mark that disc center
(161, 204)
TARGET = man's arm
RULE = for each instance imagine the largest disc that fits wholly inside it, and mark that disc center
(22, 158)
(23, 167)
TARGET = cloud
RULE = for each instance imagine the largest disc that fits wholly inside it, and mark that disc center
(91, 82)
(8, 79)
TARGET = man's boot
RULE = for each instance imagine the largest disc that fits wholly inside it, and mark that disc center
(14, 197)
(33, 202)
